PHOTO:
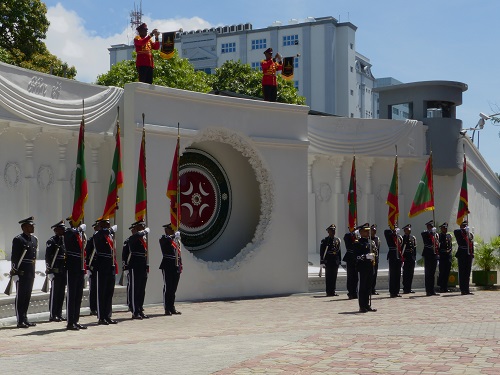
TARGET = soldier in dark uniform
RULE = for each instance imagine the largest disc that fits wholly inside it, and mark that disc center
(55, 262)
(171, 268)
(365, 258)
(24, 251)
(350, 260)
(125, 260)
(91, 260)
(136, 250)
(74, 241)
(431, 256)
(465, 255)
(395, 258)
(376, 251)
(106, 271)
(444, 258)
(330, 257)
(410, 257)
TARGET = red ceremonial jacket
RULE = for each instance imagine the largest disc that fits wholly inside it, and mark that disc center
(143, 47)
(269, 68)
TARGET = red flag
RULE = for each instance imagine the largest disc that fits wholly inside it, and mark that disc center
(81, 190)
(115, 181)
(352, 200)
(392, 198)
(172, 190)
(141, 200)
(463, 203)
(424, 196)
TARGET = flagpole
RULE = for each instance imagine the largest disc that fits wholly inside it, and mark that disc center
(178, 198)
(145, 188)
(396, 222)
(117, 135)
(464, 167)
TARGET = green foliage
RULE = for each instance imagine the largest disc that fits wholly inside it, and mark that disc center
(487, 255)
(119, 74)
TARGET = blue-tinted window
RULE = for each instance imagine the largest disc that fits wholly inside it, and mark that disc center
(228, 47)
(259, 43)
(290, 40)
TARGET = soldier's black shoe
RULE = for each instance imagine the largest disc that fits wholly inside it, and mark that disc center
(111, 321)
(102, 322)
(168, 313)
(370, 309)
(363, 310)
(175, 312)
(29, 324)
(62, 319)
(136, 316)
(395, 295)
(93, 312)
(72, 327)
(55, 319)
(80, 326)
(352, 296)
(143, 316)
(375, 293)
(22, 325)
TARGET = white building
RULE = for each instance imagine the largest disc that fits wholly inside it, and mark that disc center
(329, 73)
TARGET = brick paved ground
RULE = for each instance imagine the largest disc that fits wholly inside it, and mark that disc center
(300, 334)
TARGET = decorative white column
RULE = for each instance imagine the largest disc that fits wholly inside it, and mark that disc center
(369, 205)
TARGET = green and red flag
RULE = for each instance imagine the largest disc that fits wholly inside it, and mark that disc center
(141, 199)
(424, 197)
(352, 200)
(115, 181)
(463, 203)
(172, 190)
(392, 198)
(81, 190)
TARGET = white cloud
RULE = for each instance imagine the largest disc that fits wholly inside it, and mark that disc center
(68, 39)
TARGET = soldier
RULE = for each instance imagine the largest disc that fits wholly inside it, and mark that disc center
(330, 257)
(106, 271)
(23, 258)
(55, 262)
(171, 268)
(143, 46)
(431, 256)
(410, 257)
(395, 258)
(125, 260)
(376, 251)
(91, 260)
(74, 241)
(136, 250)
(269, 68)
(365, 258)
(444, 258)
(350, 260)
(465, 255)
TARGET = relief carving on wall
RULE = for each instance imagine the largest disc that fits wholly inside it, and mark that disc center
(324, 192)
(45, 177)
(12, 175)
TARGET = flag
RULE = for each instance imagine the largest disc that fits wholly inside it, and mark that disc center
(115, 181)
(167, 49)
(424, 197)
(141, 199)
(288, 65)
(81, 190)
(352, 200)
(172, 189)
(392, 198)
(463, 203)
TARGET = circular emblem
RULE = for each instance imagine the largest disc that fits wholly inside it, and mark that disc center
(205, 199)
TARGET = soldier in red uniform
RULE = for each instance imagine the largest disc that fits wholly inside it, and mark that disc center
(143, 46)
(269, 68)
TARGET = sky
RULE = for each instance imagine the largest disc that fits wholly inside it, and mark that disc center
(453, 40)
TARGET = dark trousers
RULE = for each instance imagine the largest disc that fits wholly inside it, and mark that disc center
(57, 292)
(137, 280)
(145, 74)
(170, 281)
(105, 290)
(352, 279)
(24, 287)
(375, 273)
(74, 294)
(365, 269)
(129, 291)
(394, 276)
(270, 93)
(331, 271)
(430, 264)
(408, 271)
(444, 271)
(93, 291)
(464, 269)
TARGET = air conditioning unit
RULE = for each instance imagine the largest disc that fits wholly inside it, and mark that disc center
(233, 28)
(225, 29)
(240, 27)
(218, 30)
(248, 26)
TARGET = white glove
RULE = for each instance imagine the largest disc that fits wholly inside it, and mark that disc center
(434, 229)
(114, 228)
(15, 278)
(147, 230)
(50, 276)
(467, 229)
(370, 256)
(397, 230)
(356, 233)
(89, 272)
(82, 227)
(125, 273)
(177, 234)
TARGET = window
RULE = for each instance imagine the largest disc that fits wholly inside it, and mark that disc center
(296, 84)
(296, 62)
(290, 40)
(228, 47)
(352, 45)
(352, 92)
(352, 69)
(395, 111)
(259, 44)
(256, 65)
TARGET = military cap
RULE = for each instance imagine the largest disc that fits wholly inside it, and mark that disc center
(142, 26)
(269, 50)
(465, 222)
(102, 220)
(58, 225)
(96, 223)
(28, 220)
(169, 225)
(444, 225)
(407, 226)
(374, 227)
(430, 222)
(364, 226)
(333, 226)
